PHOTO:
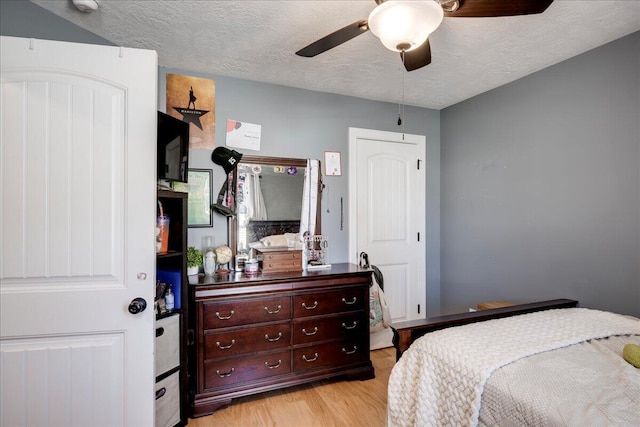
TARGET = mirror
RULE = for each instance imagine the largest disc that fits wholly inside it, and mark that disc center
(268, 202)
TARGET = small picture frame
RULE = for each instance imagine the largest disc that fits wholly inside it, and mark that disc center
(332, 163)
(200, 196)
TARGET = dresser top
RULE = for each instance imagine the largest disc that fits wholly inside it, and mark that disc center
(236, 282)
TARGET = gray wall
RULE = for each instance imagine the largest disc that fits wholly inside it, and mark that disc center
(541, 186)
(21, 18)
(304, 124)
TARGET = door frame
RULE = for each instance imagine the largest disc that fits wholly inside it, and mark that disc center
(420, 141)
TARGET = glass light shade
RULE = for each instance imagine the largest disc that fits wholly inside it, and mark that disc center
(405, 23)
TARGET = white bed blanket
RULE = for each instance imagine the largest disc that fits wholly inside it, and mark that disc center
(440, 379)
(586, 384)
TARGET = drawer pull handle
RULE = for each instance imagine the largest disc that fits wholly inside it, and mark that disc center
(266, 337)
(277, 365)
(353, 301)
(315, 304)
(315, 331)
(161, 392)
(344, 350)
(223, 317)
(277, 310)
(315, 357)
(353, 326)
(224, 374)
(225, 347)
(159, 332)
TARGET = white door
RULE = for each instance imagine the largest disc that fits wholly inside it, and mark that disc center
(77, 194)
(387, 214)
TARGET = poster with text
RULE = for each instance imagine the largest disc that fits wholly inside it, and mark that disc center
(193, 100)
(243, 135)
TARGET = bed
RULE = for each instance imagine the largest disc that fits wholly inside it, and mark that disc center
(547, 363)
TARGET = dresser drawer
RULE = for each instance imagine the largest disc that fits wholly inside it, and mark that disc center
(314, 304)
(246, 340)
(168, 401)
(241, 312)
(226, 372)
(329, 354)
(277, 261)
(317, 329)
(167, 344)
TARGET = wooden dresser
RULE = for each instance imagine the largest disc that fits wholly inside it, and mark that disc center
(255, 334)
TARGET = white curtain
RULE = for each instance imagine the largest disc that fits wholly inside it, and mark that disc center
(258, 211)
(310, 197)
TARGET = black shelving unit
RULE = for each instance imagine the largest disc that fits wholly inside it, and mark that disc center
(174, 204)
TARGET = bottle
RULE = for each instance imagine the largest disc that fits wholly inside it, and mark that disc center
(241, 259)
(169, 300)
(210, 262)
(209, 258)
(162, 231)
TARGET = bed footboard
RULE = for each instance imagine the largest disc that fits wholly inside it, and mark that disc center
(405, 333)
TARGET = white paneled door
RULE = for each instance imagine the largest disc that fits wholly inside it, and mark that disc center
(387, 214)
(77, 194)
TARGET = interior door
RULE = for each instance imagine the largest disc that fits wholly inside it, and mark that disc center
(77, 194)
(387, 214)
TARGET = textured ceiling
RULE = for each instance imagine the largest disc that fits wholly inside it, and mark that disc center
(256, 40)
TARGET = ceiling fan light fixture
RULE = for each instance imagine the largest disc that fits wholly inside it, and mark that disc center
(402, 23)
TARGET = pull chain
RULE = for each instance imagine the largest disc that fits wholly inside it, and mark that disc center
(401, 104)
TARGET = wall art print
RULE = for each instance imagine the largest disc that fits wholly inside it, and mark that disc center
(193, 100)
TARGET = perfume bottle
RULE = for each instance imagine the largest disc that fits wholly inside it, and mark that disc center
(169, 300)
(209, 256)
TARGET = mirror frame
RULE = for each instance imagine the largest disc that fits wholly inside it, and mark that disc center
(270, 161)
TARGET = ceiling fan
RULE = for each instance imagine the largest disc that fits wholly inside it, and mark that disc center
(404, 26)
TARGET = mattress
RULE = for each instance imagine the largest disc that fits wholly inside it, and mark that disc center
(586, 384)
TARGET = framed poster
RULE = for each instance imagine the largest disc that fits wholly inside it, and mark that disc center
(199, 199)
(193, 100)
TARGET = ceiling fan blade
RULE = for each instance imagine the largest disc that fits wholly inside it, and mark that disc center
(493, 8)
(418, 57)
(334, 39)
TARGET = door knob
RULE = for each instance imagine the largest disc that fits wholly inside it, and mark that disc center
(137, 305)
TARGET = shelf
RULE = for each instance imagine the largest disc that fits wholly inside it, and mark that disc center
(167, 374)
(169, 254)
(168, 314)
(174, 205)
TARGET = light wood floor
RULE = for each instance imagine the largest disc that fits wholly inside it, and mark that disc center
(323, 403)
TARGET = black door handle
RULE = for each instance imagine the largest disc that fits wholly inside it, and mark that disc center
(137, 305)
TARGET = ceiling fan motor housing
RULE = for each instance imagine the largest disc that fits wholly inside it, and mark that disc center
(86, 5)
(399, 24)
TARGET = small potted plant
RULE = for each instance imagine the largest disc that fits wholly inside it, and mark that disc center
(194, 261)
